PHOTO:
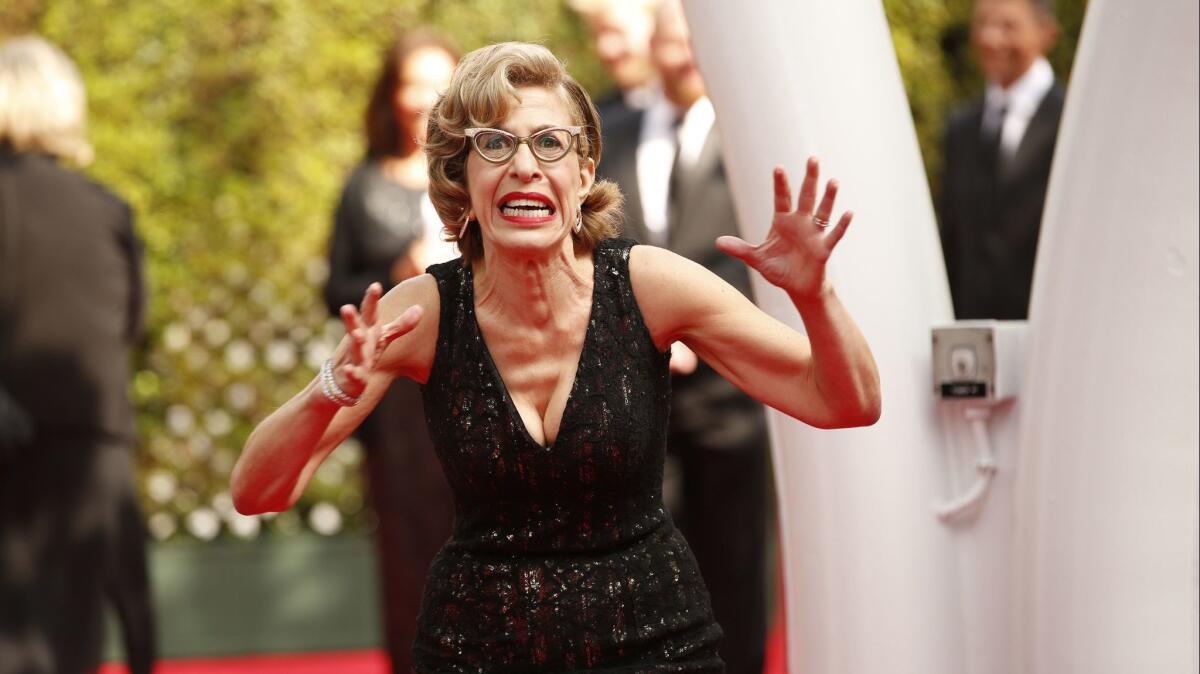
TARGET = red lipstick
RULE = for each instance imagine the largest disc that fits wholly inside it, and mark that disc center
(526, 208)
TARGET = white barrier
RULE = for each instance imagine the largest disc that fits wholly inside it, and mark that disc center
(1107, 512)
(871, 575)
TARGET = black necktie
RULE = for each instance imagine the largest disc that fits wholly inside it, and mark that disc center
(990, 138)
(678, 178)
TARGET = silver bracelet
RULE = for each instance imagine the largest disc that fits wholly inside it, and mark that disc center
(332, 391)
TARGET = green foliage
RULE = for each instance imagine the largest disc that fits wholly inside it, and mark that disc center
(230, 126)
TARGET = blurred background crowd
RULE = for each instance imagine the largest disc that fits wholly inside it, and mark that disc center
(239, 133)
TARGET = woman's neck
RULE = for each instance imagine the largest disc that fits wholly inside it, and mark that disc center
(534, 290)
(410, 170)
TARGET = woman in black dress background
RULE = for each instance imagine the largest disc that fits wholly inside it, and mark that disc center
(543, 355)
(386, 231)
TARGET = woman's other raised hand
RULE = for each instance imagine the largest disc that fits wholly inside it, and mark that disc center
(368, 339)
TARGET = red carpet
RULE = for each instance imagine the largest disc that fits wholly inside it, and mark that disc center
(361, 662)
(775, 658)
(370, 662)
(341, 662)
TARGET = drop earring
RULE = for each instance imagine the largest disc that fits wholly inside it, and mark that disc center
(579, 220)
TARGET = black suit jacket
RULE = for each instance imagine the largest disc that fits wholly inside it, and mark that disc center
(612, 107)
(71, 300)
(703, 403)
(702, 205)
(990, 216)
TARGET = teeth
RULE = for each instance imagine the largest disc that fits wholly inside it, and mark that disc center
(526, 208)
(512, 212)
(533, 203)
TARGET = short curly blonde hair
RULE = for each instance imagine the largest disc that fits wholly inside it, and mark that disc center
(43, 106)
(482, 92)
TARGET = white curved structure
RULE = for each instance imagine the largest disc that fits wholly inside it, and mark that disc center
(872, 576)
(1107, 516)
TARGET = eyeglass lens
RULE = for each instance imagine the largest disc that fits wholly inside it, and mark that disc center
(547, 145)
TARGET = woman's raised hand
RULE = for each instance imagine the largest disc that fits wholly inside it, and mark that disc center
(799, 243)
(368, 339)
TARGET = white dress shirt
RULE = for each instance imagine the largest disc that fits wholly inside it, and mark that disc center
(1018, 103)
(656, 156)
(638, 98)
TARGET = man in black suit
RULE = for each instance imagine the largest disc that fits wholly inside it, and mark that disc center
(667, 161)
(71, 306)
(998, 154)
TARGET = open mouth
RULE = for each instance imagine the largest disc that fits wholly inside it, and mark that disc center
(526, 207)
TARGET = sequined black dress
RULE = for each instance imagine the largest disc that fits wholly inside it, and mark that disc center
(562, 557)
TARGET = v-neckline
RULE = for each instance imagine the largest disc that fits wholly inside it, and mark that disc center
(514, 413)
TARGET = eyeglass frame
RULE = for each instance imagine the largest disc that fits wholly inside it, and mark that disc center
(472, 132)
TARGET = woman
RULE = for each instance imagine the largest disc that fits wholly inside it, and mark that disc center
(383, 222)
(544, 358)
(386, 231)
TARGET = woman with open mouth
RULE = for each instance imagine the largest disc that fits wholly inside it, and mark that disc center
(544, 353)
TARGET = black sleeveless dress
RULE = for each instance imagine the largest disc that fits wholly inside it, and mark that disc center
(562, 557)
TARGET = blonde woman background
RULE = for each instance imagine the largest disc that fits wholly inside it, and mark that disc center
(71, 307)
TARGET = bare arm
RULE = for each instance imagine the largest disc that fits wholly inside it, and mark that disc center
(827, 379)
(388, 339)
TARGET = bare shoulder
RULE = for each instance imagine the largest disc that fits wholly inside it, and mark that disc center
(673, 292)
(421, 289)
(655, 270)
(412, 354)
(651, 263)
(653, 283)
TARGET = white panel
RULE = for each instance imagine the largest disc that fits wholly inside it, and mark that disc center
(1107, 491)
(872, 577)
